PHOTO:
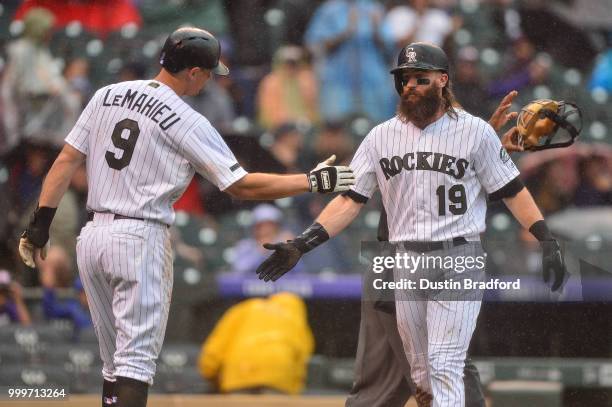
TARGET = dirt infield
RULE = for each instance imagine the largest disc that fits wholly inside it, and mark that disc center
(199, 401)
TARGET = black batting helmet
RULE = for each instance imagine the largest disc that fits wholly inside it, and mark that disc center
(419, 55)
(192, 47)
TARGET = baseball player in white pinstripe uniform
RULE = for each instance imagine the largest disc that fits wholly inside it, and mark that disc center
(142, 145)
(434, 164)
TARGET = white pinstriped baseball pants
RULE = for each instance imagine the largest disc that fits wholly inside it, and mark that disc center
(436, 328)
(126, 269)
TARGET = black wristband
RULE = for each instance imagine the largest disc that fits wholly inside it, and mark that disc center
(541, 231)
(43, 216)
(311, 238)
(38, 229)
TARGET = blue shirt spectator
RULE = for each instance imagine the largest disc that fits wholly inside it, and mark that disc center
(352, 50)
(12, 305)
(249, 253)
(602, 74)
(56, 273)
(8, 311)
(69, 308)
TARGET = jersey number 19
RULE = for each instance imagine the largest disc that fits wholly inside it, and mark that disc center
(456, 195)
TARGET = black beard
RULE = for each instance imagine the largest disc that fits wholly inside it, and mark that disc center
(420, 109)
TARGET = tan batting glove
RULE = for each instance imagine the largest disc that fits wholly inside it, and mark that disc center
(326, 178)
(29, 252)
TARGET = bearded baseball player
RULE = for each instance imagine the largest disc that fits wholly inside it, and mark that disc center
(382, 372)
(434, 164)
(142, 145)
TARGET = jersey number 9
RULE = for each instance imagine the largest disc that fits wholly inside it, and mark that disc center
(125, 144)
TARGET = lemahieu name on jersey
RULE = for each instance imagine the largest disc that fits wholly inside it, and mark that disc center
(144, 104)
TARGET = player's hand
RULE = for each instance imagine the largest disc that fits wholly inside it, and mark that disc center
(36, 236)
(325, 177)
(553, 264)
(511, 140)
(285, 257)
(29, 252)
(500, 116)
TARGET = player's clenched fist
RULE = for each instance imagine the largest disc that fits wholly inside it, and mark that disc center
(325, 177)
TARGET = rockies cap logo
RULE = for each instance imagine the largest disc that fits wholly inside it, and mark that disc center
(411, 55)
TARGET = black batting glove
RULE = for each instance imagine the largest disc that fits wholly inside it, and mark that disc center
(553, 264)
(552, 258)
(37, 231)
(286, 255)
(34, 239)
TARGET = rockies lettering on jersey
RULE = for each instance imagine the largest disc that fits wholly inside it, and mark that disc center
(433, 181)
(440, 162)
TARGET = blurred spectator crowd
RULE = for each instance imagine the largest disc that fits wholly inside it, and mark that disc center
(308, 79)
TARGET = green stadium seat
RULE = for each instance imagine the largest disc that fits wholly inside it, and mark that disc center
(47, 376)
(78, 356)
(87, 336)
(86, 381)
(13, 354)
(31, 335)
(318, 368)
(185, 380)
(341, 373)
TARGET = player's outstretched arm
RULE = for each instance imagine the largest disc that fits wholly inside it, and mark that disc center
(336, 216)
(324, 178)
(529, 216)
(261, 186)
(35, 237)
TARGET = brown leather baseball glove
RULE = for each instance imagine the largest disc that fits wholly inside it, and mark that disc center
(540, 121)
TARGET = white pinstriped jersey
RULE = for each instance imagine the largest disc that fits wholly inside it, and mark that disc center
(433, 181)
(144, 144)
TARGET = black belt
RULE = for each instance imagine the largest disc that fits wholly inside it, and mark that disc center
(431, 246)
(90, 216)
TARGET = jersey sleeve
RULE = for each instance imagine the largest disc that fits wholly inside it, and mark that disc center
(365, 171)
(79, 135)
(493, 165)
(205, 149)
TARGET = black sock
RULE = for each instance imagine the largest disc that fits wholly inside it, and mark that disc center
(131, 392)
(108, 394)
